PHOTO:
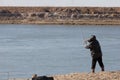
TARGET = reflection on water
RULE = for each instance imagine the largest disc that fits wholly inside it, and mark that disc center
(55, 49)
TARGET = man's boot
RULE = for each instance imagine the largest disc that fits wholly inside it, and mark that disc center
(102, 69)
(93, 70)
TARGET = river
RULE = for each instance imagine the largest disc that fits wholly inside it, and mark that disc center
(56, 49)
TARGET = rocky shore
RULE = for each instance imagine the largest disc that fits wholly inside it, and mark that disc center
(60, 15)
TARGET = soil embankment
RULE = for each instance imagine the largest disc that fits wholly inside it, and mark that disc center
(60, 15)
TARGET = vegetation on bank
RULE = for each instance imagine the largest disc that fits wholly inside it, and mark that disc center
(60, 15)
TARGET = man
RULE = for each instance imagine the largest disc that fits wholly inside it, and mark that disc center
(96, 52)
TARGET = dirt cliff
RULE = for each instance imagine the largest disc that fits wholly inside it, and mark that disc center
(60, 15)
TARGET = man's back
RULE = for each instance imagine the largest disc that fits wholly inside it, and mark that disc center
(95, 49)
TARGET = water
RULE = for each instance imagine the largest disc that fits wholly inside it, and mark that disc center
(55, 49)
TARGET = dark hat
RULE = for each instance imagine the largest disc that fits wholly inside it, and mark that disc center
(92, 38)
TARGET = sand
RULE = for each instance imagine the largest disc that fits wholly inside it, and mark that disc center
(106, 75)
(113, 75)
(63, 22)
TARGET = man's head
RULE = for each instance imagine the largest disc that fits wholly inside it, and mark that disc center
(92, 38)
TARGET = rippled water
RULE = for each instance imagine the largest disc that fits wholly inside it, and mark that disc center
(55, 49)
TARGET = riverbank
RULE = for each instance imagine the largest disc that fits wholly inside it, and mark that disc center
(60, 15)
(107, 75)
(113, 75)
(64, 22)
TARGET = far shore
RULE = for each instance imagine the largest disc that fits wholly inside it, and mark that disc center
(64, 22)
(60, 15)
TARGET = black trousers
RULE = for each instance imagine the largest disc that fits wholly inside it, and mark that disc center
(94, 61)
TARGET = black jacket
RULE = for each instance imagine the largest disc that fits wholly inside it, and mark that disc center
(95, 48)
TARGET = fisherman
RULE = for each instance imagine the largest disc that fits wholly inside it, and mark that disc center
(96, 52)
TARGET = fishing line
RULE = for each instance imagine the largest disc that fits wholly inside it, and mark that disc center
(84, 42)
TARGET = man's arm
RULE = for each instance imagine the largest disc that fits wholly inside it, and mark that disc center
(89, 46)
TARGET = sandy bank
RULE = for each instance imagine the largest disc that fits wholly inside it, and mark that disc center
(113, 75)
(107, 75)
(64, 22)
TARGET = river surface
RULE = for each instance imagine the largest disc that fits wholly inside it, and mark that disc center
(56, 49)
